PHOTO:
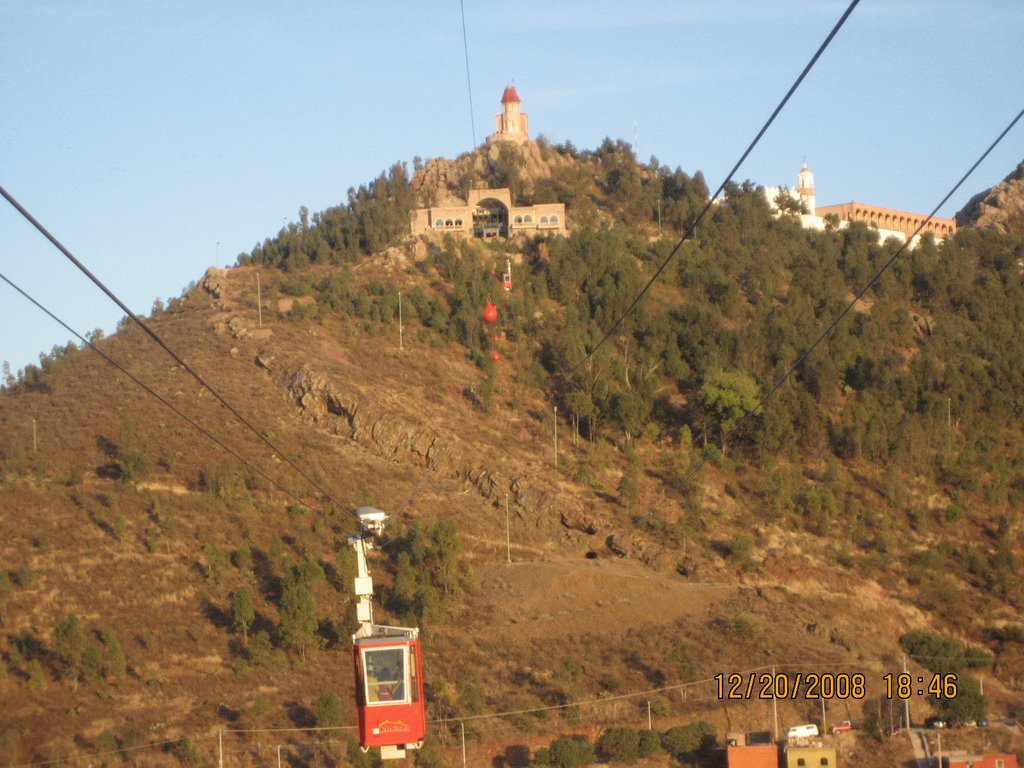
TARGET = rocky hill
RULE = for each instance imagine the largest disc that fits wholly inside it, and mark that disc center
(569, 572)
(1000, 208)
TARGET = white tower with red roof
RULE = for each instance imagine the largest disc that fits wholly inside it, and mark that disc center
(511, 124)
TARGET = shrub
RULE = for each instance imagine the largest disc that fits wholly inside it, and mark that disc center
(978, 658)
(740, 546)
(36, 677)
(260, 707)
(650, 743)
(938, 654)
(619, 745)
(116, 664)
(328, 711)
(23, 577)
(186, 751)
(685, 740)
(571, 752)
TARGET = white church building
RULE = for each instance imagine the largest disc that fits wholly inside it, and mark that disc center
(889, 222)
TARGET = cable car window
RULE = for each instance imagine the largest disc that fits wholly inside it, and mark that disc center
(414, 686)
(385, 675)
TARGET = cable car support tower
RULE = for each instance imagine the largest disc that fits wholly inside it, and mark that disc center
(389, 678)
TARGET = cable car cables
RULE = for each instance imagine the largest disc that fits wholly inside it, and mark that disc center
(153, 335)
(155, 394)
(860, 294)
(692, 226)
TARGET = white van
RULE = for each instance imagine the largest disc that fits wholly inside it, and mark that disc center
(804, 731)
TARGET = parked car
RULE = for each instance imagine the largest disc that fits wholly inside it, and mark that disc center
(804, 731)
(935, 722)
(842, 727)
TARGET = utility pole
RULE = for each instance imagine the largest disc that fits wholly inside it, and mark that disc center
(556, 436)
(906, 702)
(775, 709)
(400, 347)
(35, 439)
(649, 724)
(220, 748)
(462, 729)
(259, 300)
(508, 533)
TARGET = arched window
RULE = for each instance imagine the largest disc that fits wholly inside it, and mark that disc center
(528, 219)
(800, 761)
(824, 761)
(543, 219)
(439, 223)
(449, 223)
(518, 220)
(553, 219)
(458, 222)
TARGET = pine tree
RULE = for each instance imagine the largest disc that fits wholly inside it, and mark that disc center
(298, 617)
(71, 645)
(243, 612)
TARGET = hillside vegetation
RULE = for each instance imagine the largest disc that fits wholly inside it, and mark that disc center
(156, 589)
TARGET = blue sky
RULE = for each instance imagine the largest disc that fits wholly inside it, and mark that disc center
(144, 133)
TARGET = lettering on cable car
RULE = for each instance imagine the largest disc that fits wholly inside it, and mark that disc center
(391, 726)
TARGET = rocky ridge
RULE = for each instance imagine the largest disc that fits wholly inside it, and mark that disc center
(1000, 208)
(444, 182)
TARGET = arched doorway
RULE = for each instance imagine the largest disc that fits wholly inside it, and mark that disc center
(490, 219)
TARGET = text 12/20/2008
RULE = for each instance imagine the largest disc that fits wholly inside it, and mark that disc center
(829, 685)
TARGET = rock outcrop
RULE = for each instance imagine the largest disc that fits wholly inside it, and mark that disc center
(378, 428)
(443, 182)
(1000, 208)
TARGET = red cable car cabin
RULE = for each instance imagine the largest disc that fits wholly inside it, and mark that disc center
(389, 691)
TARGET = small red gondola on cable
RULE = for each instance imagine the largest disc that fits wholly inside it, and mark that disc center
(388, 666)
(506, 277)
(490, 313)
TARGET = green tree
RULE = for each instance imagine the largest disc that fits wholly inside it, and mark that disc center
(619, 745)
(684, 741)
(186, 751)
(650, 743)
(36, 676)
(260, 708)
(71, 645)
(938, 654)
(298, 617)
(132, 464)
(243, 612)
(116, 664)
(328, 710)
(571, 752)
(725, 398)
(968, 704)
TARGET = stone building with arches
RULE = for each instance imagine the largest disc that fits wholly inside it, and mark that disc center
(489, 213)
(889, 220)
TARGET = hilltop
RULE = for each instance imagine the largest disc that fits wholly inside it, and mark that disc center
(1000, 208)
(874, 497)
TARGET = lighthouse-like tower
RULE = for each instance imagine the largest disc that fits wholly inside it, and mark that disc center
(805, 188)
(511, 124)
